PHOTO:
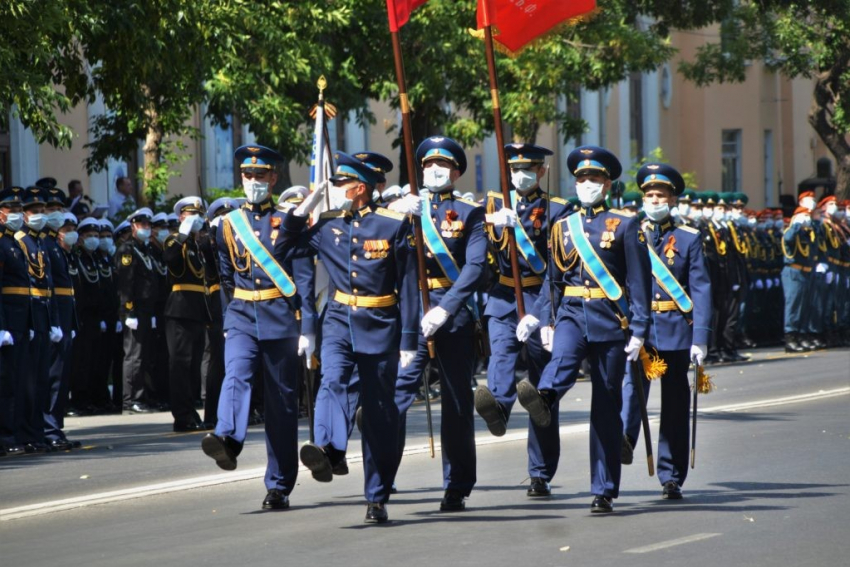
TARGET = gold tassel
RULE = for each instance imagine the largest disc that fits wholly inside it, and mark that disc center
(654, 366)
(704, 383)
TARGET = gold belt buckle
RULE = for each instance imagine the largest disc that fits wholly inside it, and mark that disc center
(352, 301)
(655, 306)
(256, 295)
(587, 294)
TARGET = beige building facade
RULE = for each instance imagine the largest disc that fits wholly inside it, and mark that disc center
(751, 137)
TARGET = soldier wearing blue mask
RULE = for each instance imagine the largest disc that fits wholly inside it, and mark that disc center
(529, 215)
(680, 325)
(601, 269)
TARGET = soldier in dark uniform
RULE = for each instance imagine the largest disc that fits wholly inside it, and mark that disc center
(680, 325)
(157, 386)
(262, 328)
(534, 210)
(455, 264)
(137, 285)
(58, 240)
(370, 323)
(187, 311)
(601, 268)
(111, 365)
(15, 317)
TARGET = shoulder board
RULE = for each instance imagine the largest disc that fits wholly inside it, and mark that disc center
(644, 224)
(620, 212)
(470, 203)
(20, 234)
(492, 194)
(332, 214)
(687, 228)
(391, 214)
(558, 200)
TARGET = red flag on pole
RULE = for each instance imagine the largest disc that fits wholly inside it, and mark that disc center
(518, 22)
(399, 12)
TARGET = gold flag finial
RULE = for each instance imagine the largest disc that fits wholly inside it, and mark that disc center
(322, 83)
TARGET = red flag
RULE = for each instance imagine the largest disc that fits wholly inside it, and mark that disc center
(519, 22)
(399, 11)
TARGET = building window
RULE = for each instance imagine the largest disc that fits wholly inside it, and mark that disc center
(768, 169)
(731, 160)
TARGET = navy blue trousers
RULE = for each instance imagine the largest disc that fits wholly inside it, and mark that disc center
(674, 443)
(244, 356)
(59, 384)
(334, 415)
(607, 364)
(457, 412)
(544, 443)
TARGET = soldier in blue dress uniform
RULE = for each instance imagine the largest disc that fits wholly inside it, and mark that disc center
(370, 324)
(15, 317)
(455, 265)
(798, 249)
(262, 329)
(680, 327)
(601, 269)
(534, 210)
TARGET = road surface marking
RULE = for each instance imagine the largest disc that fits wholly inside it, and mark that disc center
(671, 543)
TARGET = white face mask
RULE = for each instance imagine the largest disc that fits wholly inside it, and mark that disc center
(523, 179)
(656, 212)
(105, 243)
(684, 209)
(143, 234)
(91, 243)
(752, 222)
(694, 213)
(55, 220)
(831, 209)
(809, 203)
(37, 221)
(589, 192)
(255, 191)
(338, 200)
(707, 212)
(779, 223)
(14, 221)
(719, 215)
(437, 178)
(734, 214)
(70, 238)
(162, 234)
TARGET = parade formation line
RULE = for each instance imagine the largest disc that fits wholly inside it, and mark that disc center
(54, 506)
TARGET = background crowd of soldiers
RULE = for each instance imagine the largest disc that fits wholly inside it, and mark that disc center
(775, 280)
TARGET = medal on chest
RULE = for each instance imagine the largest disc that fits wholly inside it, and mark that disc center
(670, 250)
(451, 227)
(536, 218)
(608, 235)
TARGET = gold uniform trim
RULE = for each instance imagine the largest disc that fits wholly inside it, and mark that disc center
(64, 291)
(189, 287)
(587, 293)
(360, 301)
(257, 294)
(439, 283)
(530, 281)
(661, 306)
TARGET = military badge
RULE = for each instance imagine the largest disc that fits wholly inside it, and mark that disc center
(608, 236)
(670, 250)
(275, 222)
(376, 249)
(641, 237)
(451, 227)
(537, 219)
(126, 259)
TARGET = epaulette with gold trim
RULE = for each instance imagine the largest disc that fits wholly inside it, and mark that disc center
(471, 203)
(559, 200)
(620, 212)
(20, 234)
(332, 214)
(495, 194)
(390, 214)
(687, 228)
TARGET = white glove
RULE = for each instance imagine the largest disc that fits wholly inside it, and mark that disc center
(736, 287)
(633, 348)
(502, 218)
(829, 277)
(759, 284)
(698, 353)
(119, 327)
(796, 219)
(103, 326)
(132, 323)
(191, 224)
(73, 335)
(306, 346)
(547, 334)
(6, 339)
(776, 282)
(769, 283)
(311, 201)
(526, 326)
(153, 322)
(821, 268)
(407, 205)
(32, 334)
(433, 320)
(406, 357)
(55, 334)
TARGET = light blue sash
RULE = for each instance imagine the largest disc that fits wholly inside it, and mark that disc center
(669, 283)
(526, 247)
(435, 242)
(258, 252)
(595, 266)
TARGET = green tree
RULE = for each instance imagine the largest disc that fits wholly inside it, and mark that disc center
(797, 39)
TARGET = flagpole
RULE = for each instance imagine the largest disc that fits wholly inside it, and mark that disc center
(407, 135)
(503, 165)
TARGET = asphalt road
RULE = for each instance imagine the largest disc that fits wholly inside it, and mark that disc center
(770, 487)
